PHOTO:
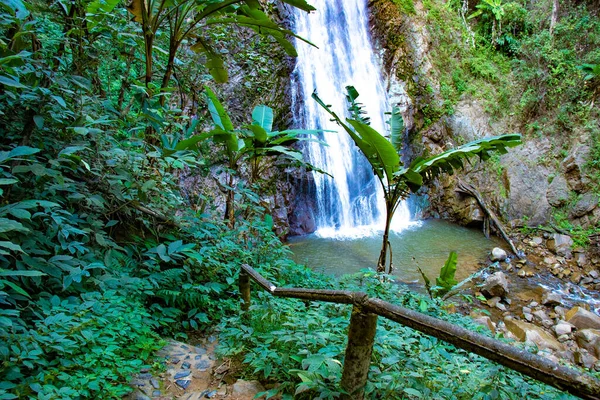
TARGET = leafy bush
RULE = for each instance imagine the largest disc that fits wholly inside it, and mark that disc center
(75, 347)
(302, 344)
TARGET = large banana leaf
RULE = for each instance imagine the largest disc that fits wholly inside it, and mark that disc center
(217, 111)
(263, 117)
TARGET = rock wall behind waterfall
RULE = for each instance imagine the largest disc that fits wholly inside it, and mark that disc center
(524, 186)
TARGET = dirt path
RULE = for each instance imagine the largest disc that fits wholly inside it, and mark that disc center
(192, 373)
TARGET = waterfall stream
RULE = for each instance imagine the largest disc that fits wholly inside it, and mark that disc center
(350, 202)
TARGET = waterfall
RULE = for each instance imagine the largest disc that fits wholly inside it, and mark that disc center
(349, 202)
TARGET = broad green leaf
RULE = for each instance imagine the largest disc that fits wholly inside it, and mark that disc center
(389, 160)
(217, 111)
(396, 129)
(15, 288)
(39, 121)
(18, 7)
(8, 181)
(301, 4)
(263, 117)
(60, 101)
(446, 279)
(11, 246)
(6, 81)
(260, 134)
(22, 151)
(8, 225)
(21, 273)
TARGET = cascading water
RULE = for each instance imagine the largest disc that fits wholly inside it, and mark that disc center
(350, 202)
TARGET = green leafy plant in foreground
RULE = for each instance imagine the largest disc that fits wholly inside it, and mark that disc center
(396, 179)
(300, 345)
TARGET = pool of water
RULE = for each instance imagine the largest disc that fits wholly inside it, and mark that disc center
(429, 242)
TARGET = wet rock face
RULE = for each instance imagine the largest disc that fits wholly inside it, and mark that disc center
(585, 205)
(527, 332)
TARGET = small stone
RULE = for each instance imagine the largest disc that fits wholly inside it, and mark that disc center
(537, 241)
(495, 285)
(493, 302)
(540, 314)
(498, 254)
(156, 393)
(563, 338)
(154, 383)
(586, 281)
(562, 329)
(521, 261)
(551, 298)
(526, 310)
(211, 339)
(182, 374)
(203, 365)
(175, 361)
(585, 359)
(211, 394)
(528, 317)
(183, 383)
(594, 274)
(581, 259)
(500, 306)
(200, 350)
(246, 388)
(560, 244)
(137, 395)
(534, 304)
(186, 365)
(550, 260)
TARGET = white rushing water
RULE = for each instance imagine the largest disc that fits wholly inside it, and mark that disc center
(350, 204)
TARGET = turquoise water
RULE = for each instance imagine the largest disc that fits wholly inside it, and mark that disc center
(429, 242)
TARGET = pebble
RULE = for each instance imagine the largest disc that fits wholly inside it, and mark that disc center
(183, 383)
(156, 393)
(186, 365)
(145, 376)
(182, 374)
(203, 365)
(594, 274)
(154, 383)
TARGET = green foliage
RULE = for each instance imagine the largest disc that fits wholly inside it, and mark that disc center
(446, 280)
(302, 344)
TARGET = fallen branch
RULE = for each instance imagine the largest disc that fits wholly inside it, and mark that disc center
(464, 187)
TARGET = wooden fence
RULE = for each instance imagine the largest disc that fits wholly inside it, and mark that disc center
(363, 324)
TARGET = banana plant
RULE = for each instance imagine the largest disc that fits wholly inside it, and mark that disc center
(396, 179)
(186, 20)
(257, 143)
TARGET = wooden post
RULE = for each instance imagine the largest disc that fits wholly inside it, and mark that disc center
(361, 336)
(244, 282)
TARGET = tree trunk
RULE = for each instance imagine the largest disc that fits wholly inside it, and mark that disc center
(229, 209)
(554, 17)
(386, 242)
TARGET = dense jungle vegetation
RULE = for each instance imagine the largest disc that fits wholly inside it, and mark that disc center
(103, 252)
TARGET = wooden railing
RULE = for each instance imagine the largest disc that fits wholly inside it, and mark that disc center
(363, 324)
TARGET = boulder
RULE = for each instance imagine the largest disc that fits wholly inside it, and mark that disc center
(558, 191)
(526, 332)
(498, 254)
(560, 244)
(582, 318)
(589, 339)
(586, 204)
(495, 285)
(247, 389)
(550, 298)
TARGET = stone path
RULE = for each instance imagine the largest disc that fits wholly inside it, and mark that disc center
(192, 373)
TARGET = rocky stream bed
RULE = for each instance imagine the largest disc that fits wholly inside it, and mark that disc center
(549, 299)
